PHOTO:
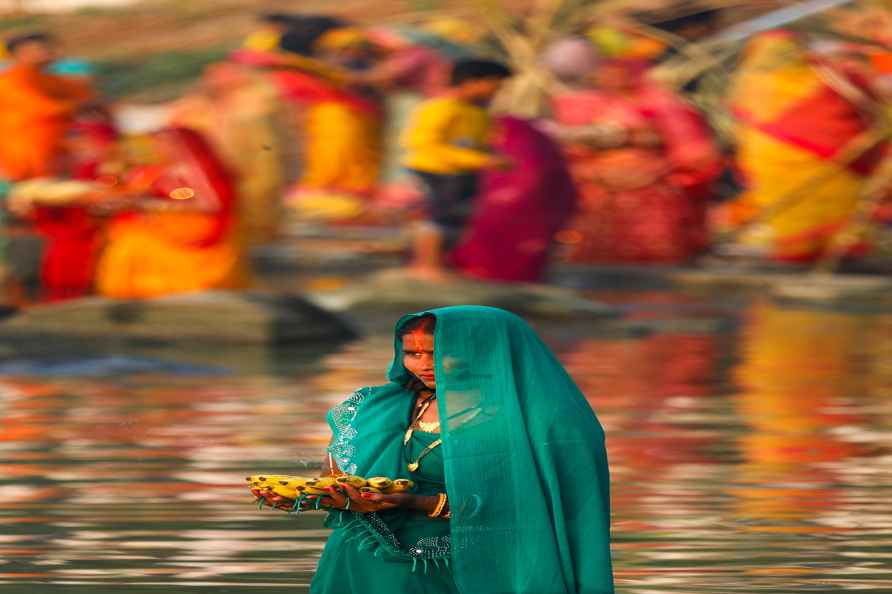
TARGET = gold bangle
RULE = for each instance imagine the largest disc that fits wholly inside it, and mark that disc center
(441, 504)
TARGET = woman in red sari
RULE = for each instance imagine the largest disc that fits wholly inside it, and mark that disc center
(185, 239)
(643, 161)
(71, 233)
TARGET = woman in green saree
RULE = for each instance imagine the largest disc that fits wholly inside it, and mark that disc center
(512, 485)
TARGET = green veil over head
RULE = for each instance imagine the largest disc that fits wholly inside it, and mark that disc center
(525, 462)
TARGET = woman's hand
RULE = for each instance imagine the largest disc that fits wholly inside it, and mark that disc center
(364, 503)
(273, 500)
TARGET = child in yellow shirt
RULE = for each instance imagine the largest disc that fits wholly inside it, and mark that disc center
(447, 146)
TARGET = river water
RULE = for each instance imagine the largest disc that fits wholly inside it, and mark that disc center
(749, 445)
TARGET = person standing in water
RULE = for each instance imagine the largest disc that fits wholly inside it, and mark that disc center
(447, 144)
(509, 462)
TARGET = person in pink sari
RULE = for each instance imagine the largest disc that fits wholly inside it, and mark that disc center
(643, 160)
(519, 210)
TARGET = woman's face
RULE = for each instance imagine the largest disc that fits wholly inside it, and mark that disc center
(418, 356)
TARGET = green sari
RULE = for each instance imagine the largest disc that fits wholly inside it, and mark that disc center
(523, 463)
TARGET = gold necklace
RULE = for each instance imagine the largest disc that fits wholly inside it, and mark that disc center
(428, 427)
(425, 404)
(422, 408)
(413, 466)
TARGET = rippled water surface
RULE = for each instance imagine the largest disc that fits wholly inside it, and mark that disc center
(749, 447)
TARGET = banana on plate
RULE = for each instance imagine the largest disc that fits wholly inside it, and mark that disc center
(292, 487)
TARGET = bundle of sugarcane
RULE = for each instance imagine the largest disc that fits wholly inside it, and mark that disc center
(294, 490)
(525, 31)
(523, 36)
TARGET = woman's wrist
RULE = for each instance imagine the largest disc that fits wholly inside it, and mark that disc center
(422, 503)
(430, 505)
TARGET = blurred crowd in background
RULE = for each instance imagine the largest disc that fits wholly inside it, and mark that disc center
(610, 142)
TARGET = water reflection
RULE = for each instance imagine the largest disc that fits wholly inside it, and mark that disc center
(750, 450)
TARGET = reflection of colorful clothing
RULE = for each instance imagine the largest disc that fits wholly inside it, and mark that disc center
(517, 435)
(637, 379)
(35, 111)
(518, 210)
(639, 202)
(156, 254)
(793, 382)
(792, 126)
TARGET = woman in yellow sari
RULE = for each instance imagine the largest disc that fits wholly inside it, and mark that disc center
(185, 241)
(340, 128)
(796, 121)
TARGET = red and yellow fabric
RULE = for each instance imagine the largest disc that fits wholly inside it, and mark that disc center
(341, 130)
(156, 254)
(792, 128)
(36, 109)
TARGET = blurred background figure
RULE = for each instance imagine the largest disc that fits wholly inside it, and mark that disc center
(338, 125)
(642, 158)
(36, 108)
(239, 112)
(801, 150)
(519, 210)
(184, 240)
(72, 233)
(447, 144)
(46, 130)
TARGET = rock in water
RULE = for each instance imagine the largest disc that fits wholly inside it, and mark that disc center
(215, 317)
(396, 289)
(829, 289)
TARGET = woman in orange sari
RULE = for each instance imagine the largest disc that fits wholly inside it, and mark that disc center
(36, 109)
(185, 241)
